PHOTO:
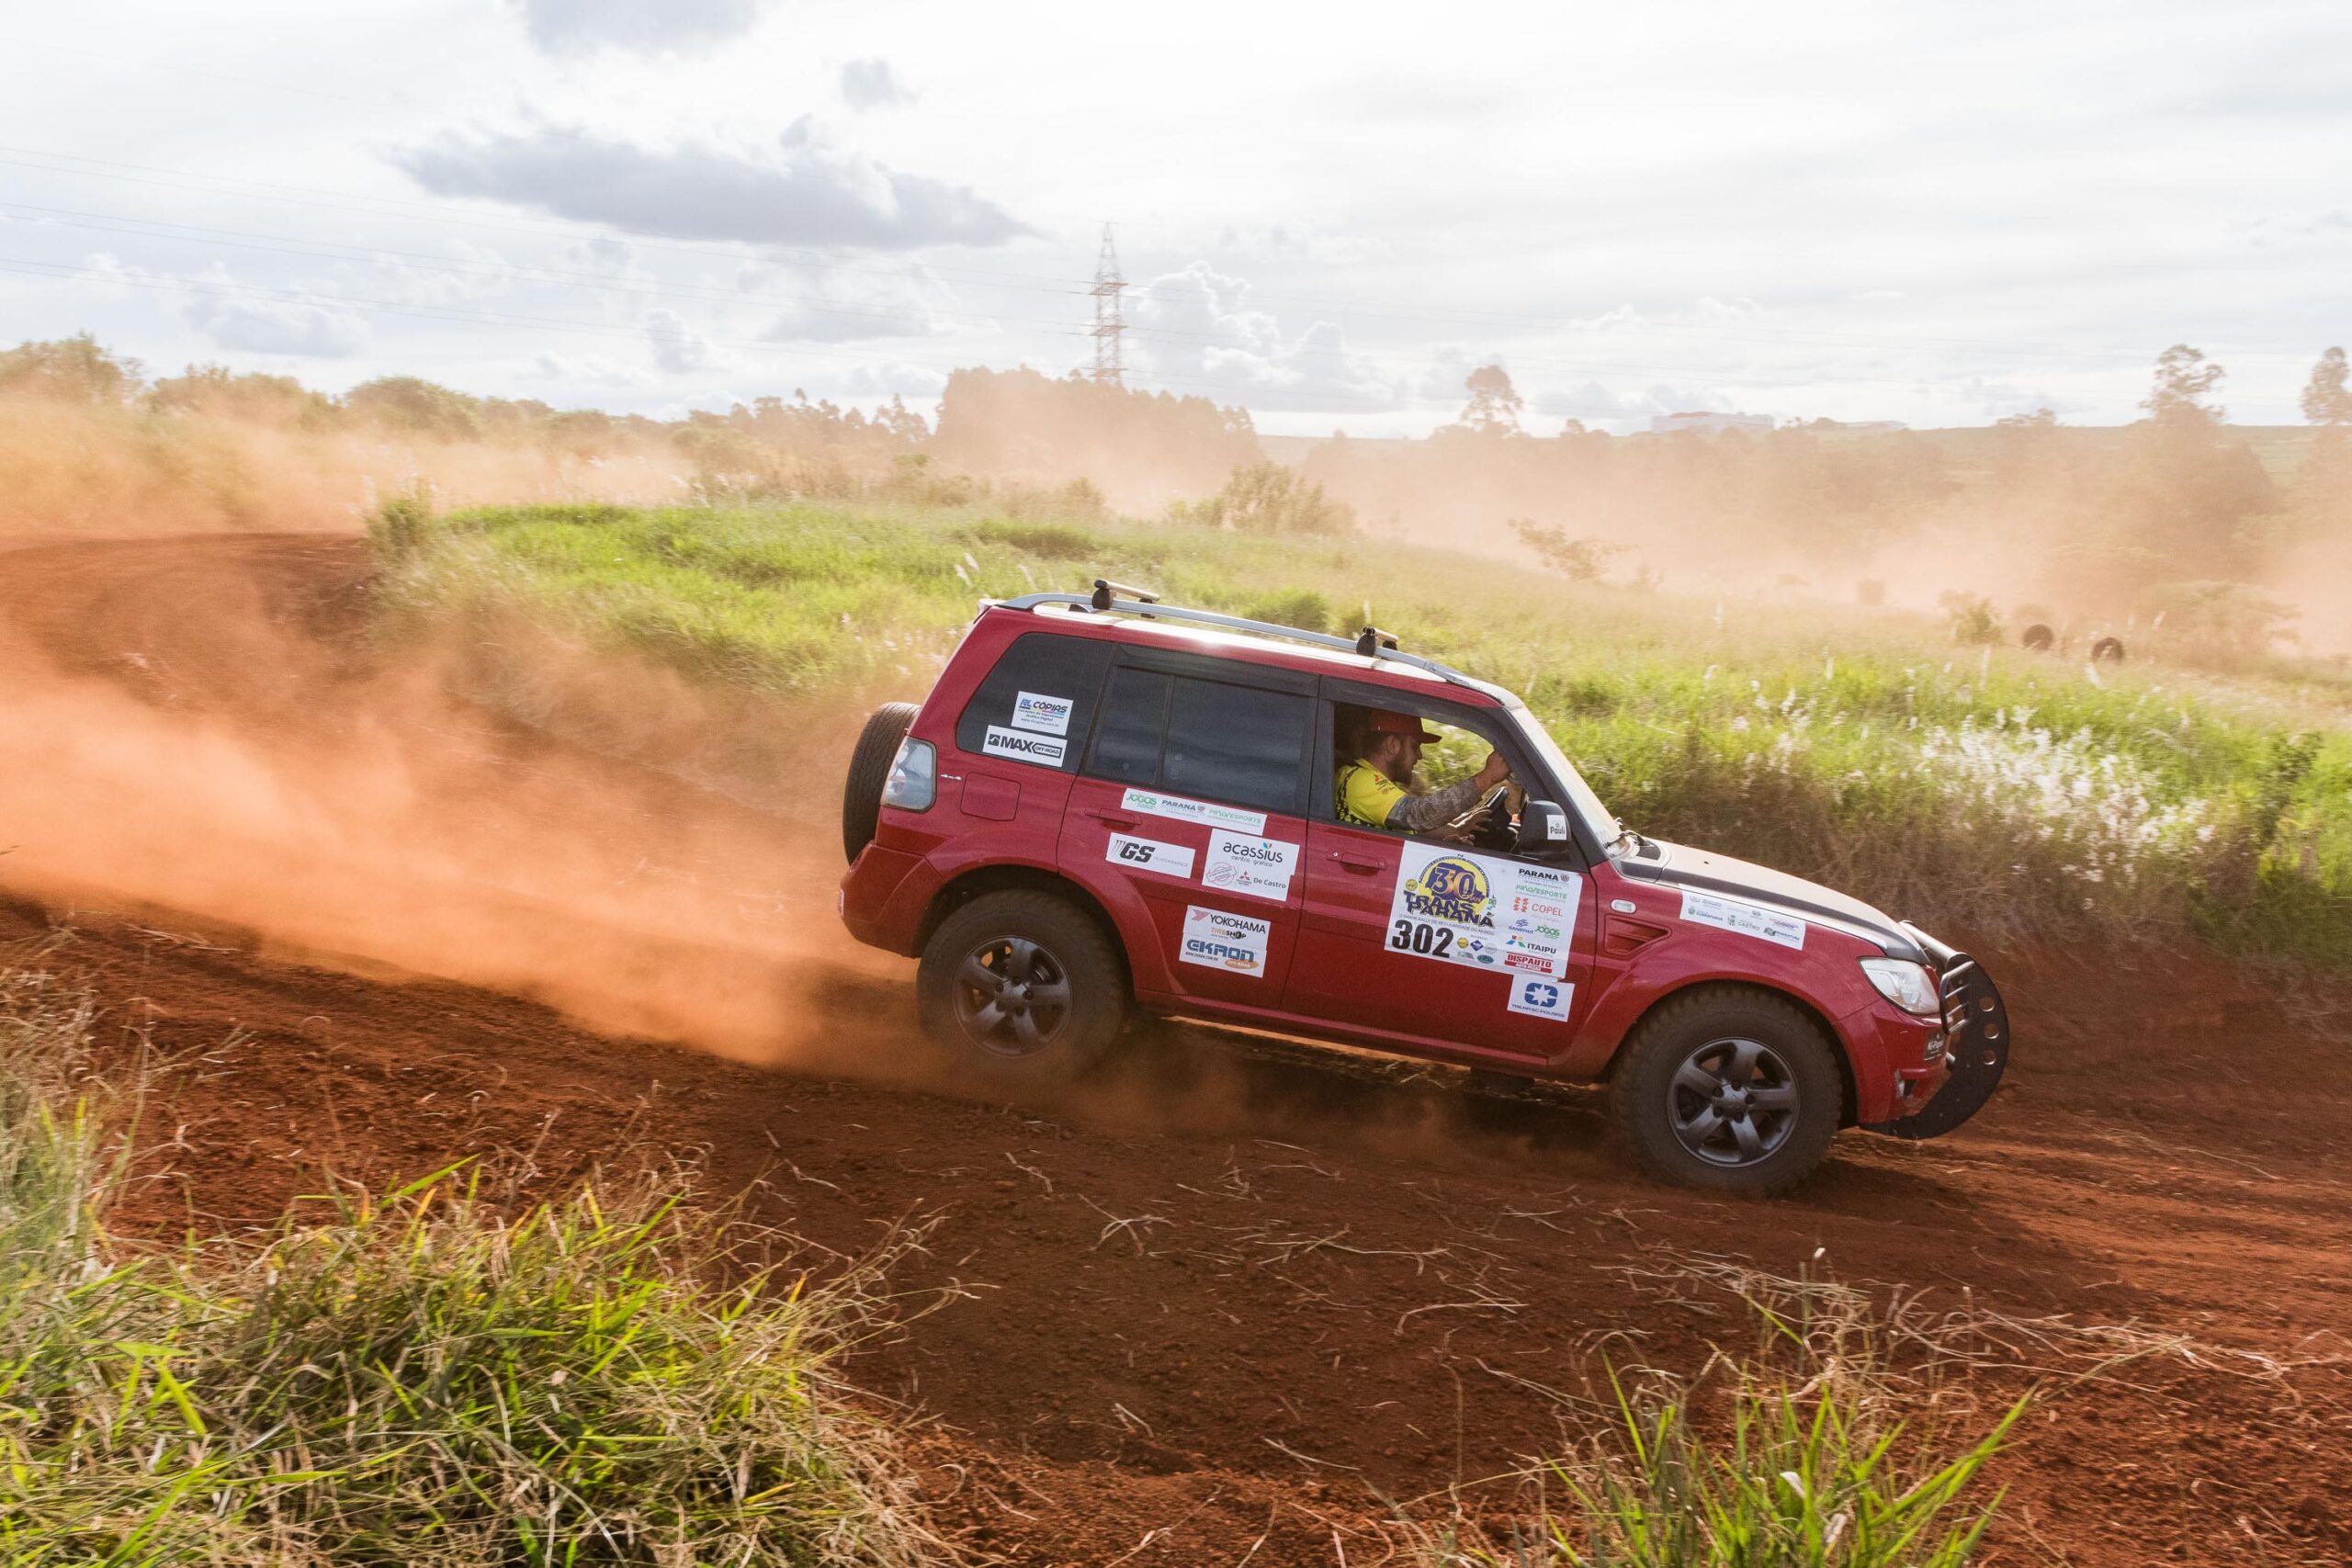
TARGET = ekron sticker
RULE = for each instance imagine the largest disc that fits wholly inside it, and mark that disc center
(1045, 716)
(1148, 854)
(1240, 863)
(1151, 803)
(1023, 746)
(1459, 907)
(1768, 925)
(1219, 938)
(1542, 998)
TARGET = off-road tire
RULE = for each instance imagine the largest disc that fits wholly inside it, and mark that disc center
(1073, 948)
(869, 770)
(1642, 1108)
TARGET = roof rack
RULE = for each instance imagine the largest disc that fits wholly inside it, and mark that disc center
(1371, 643)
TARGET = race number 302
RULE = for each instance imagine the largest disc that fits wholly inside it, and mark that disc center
(1420, 936)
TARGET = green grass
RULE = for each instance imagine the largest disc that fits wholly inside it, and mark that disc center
(1993, 792)
(425, 1377)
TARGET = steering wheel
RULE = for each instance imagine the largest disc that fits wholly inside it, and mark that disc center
(1495, 823)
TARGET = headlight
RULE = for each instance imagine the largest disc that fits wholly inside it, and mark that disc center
(913, 783)
(1911, 987)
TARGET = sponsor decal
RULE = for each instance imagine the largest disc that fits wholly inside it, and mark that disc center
(1151, 803)
(1260, 867)
(1217, 938)
(1023, 748)
(1047, 715)
(1148, 854)
(1766, 925)
(1542, 998)
(1481, 910)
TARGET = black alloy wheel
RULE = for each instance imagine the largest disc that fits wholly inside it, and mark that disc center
(1022, 986)
(1733, 1102)
(1729, 1087)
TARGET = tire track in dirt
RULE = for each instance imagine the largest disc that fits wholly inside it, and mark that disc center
(1222, 1292)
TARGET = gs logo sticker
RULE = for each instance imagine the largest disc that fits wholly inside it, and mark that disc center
(1453, 888)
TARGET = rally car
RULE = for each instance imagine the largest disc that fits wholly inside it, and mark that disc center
(1108, 804)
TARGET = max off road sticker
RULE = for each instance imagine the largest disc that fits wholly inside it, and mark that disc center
(1023, 746)
(1746, 918)
(1218, 940)
(1148, 854)
(1489, 914)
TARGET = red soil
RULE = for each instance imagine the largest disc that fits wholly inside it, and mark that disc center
(1239, 1297)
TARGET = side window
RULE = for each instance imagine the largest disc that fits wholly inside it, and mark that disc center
(1134, 721)
(1036, 704)
(1237, 744)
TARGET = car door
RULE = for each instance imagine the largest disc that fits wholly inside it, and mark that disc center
(1188, 820)
(1438, 944)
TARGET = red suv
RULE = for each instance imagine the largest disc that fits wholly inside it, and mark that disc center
(1108, 804)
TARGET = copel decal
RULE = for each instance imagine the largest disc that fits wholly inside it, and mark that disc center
(1746, 918)
(1047, 715)
(1218, 940)
(1260, 867)
(1487, 913)
(1023, 746)
(1149, 854)
(1542, 998)
(1151, 803)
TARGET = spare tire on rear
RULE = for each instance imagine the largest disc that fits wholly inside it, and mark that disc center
(869, 769)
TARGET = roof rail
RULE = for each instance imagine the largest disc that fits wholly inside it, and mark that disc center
(1371, 644)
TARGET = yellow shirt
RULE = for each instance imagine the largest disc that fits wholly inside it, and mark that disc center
(1365, 795)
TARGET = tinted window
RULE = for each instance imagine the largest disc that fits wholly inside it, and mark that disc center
(1037, 703)
(1236, 743)
(1135, 718)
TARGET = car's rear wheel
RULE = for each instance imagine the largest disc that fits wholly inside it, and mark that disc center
(1022, 986)
(869, 770)
(1730, 1090)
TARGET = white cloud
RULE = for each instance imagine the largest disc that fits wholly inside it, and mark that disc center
(827, 305)
(647, 27)
(1196, 329)
(805, 191)
(677, 348)
(893, 380)
(869, 85)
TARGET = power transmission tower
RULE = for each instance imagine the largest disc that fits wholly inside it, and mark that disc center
(1109, 320)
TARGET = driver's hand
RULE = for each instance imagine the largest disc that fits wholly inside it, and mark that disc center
(1494, 772)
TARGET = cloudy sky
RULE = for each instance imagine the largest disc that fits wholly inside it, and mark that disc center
(1940, 214)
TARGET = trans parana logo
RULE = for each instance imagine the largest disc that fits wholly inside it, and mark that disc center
(1451, 889)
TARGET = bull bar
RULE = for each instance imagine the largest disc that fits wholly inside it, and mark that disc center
(1976, 1043)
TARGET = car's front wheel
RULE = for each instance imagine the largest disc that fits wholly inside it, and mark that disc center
(1022, 986)
(1730, 1090)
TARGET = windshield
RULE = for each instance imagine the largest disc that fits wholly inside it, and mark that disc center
(1581, 800)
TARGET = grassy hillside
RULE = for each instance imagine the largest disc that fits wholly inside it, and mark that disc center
(1992, 792)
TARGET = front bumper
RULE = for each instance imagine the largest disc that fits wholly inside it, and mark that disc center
(1976, 1045)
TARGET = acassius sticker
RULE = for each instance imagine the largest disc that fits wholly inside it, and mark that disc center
(1240, 863)
(1148, 854)
(1724, 914)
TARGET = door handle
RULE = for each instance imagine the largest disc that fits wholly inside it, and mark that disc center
(1112, 819)
(1361, 867)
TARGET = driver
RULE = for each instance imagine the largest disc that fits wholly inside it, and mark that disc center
(1373, 790)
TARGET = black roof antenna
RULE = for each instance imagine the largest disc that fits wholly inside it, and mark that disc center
(1105, 590)
(1371, 640)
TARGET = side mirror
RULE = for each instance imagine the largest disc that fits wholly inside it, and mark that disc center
(1542, 826)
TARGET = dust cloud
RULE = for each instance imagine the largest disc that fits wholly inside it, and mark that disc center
(173, 733)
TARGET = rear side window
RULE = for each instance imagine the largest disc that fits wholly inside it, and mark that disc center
(1208, 739)
(1037, 703)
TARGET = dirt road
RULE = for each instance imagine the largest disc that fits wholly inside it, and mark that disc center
(1217, 1307)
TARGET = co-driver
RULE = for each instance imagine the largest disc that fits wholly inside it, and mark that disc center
(1374, 790)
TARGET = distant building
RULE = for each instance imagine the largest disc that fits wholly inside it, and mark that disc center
(1709, 423)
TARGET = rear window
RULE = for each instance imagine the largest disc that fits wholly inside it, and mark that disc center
(1038, 702)
(1209, 739)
